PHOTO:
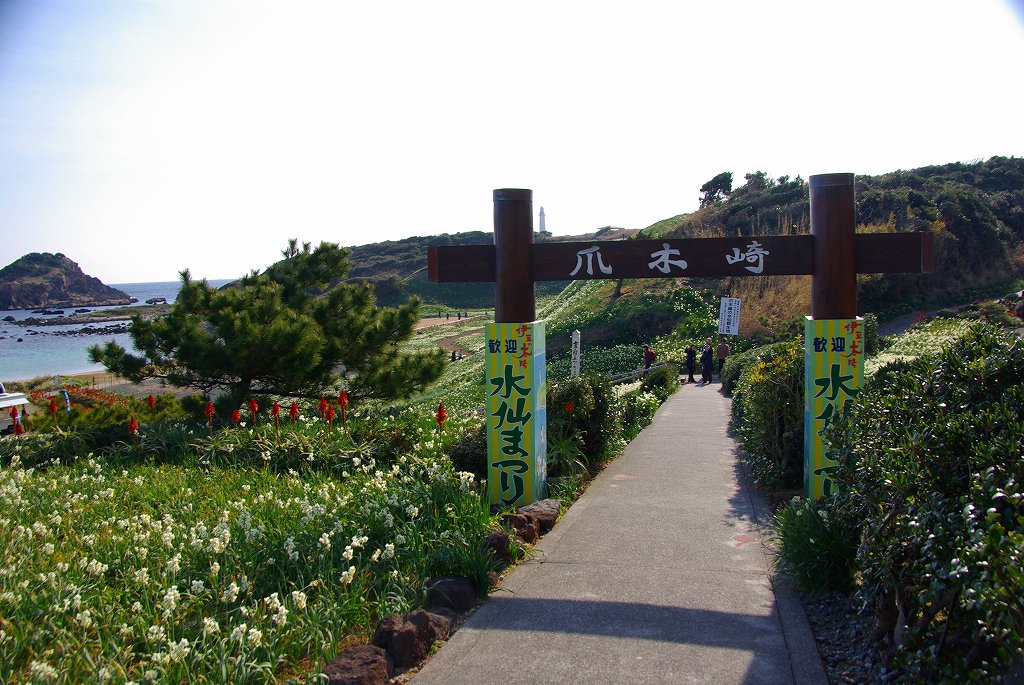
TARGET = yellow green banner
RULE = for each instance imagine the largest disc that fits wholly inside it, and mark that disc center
(516, 371)
(834, 374)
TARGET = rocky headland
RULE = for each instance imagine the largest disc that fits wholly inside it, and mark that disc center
(41, 279)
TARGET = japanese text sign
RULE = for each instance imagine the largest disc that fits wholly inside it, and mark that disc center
(729, 316)
(516, 391)
(834, 374)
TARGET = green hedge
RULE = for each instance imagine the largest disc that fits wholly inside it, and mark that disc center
(768, 411)
(932, 467)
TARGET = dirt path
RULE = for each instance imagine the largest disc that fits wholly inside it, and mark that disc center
(449, 343)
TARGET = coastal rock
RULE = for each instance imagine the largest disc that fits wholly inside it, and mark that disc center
(44, 280)
(359, 665)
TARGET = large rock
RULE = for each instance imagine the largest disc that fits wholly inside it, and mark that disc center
(407, 639)
(451, 592)
(526, 527)
(545, 512)
(41, 279)
(359, 665)
(497, 544)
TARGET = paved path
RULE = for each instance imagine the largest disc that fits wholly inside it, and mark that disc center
(656, 575)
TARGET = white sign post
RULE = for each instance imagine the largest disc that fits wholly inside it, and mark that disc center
(729, 316)
(575, 353)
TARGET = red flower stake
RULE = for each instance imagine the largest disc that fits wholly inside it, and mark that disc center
(329, 417)
(53, 410)
(294, 412)
(18, 430)
(236, 416)
(151, 401)
(322, 407)
(343, 402)
(209, 415)
(275, 411)
(253, 408)
(440, 417)
(133, 427)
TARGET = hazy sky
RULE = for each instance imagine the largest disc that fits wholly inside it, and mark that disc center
(142, 137)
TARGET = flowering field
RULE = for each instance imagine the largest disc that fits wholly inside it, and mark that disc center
(919, 341)
(120, 569)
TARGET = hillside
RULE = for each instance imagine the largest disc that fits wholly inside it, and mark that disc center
(975, 210)
(41, 279)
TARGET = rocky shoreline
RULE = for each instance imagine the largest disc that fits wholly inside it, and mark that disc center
(99, 316)
(112, 329)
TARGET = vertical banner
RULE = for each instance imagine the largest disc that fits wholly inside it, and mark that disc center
(516, 413)
(575, 354)
(834, 373)
(729, 316)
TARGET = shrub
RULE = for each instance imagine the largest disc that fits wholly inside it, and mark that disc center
(661, 381)
(469, 452)
(816, 545)
(600, 426)
(768, 413)
(582, 411)
(637, 410)
(931, 465)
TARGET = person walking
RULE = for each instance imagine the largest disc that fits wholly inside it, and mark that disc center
(723, 352)
(649, 356)
(691, 362)
(706, 362)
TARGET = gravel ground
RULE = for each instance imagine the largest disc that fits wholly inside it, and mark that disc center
(844, 640)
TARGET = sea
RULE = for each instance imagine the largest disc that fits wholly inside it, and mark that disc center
(30, 351)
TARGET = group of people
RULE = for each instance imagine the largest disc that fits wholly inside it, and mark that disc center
(707, 360)
(708, 354)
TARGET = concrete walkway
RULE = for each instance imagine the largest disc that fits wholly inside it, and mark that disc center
(656, 575)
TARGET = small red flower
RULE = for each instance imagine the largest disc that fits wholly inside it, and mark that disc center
(53, 407)
(322, 406)
(294, 412)
(569, 406)
(441, 416)
(343, 402)
(133, 426)
(236, 416)
(253, 408)
(329, 414)
(275, 411)
(209, 411)
(151, 401)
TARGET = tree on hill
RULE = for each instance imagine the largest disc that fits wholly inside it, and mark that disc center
(716, 190)
(284, 332)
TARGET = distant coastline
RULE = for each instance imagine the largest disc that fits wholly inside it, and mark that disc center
(56, 345)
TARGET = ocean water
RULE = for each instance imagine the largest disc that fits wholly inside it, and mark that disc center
(27, 352)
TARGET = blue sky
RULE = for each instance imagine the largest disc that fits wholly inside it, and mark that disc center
(142, 137)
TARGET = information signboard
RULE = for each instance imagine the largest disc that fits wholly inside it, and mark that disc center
(729, 316)
(516, 413)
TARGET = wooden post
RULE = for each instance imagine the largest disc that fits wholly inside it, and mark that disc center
(834, 284)
(515, 301)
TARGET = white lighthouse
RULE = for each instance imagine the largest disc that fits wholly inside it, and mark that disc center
(543, 228)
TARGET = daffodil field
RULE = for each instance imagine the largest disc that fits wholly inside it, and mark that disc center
(246, 555)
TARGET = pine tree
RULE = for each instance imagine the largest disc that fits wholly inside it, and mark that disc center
(295, 330)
